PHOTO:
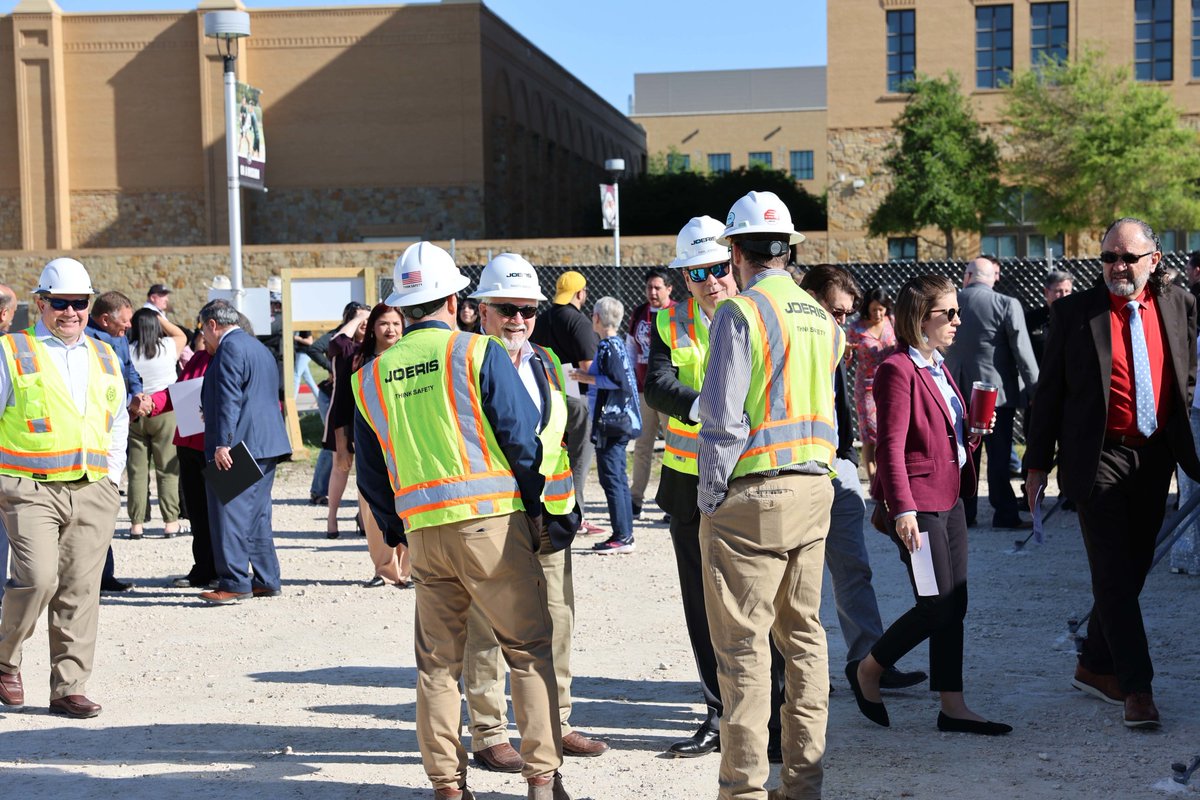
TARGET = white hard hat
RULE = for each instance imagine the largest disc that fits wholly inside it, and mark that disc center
(64, 276)
(760, 212)
(221, 283)
(425, 272)
(696, 244)
(509, 275)
(274, 284)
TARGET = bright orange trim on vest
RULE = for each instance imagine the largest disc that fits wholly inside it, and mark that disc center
(476, 411)
(473, 501)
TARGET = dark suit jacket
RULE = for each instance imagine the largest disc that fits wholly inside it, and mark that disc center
(1070, 409)
(916, 452)
(240, 398)
(993, 346)
(666, 394)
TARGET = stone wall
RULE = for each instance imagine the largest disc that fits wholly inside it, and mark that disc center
(132, 219)
(10, 220)
(857, 154)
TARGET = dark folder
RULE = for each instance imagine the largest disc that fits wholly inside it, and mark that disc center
(229, 483)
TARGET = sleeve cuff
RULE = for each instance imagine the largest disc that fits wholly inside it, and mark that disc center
(904, 514)
(694, 411)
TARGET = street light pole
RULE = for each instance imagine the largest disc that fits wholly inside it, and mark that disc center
(614, 167)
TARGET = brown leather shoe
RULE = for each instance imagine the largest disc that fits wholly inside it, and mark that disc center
(546, 787)
(1140, 711)
(1101, 687)
(263, 591)
(500, 758)
(576, 744)
(453, 794)
(12, 692)
(75, 705)
(222, 598)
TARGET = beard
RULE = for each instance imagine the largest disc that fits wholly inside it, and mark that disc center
(1129, 286)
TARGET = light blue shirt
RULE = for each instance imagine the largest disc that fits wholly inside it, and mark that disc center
(953, 404)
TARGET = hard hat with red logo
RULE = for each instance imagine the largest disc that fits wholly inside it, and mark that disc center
(64, 276)
(509, 275)
(696, 245)
(425, 272)
(764, 214)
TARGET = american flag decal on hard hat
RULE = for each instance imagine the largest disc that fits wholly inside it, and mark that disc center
(409, 279)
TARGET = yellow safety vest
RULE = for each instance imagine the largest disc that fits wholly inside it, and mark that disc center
(43, 435)
(683, 329)
(422, 398)
(559, 495)
(795, 347)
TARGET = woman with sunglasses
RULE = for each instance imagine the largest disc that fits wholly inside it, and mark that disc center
(924, 471)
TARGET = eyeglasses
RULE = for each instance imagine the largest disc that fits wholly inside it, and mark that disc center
(950, 313)
(700, 274)
(840, 314)
(1109, 257)
(512, 309)
(62, 304)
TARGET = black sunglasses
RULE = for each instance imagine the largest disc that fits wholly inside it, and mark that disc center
(512, 309)
(61, 304)
(950, 313)
(1109, 257)
(700, 274)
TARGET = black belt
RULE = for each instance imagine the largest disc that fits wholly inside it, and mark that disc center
(1126, 439)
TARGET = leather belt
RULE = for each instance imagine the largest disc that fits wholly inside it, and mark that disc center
(1126, 439)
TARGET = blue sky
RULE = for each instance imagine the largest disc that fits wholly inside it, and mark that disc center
(605, 43)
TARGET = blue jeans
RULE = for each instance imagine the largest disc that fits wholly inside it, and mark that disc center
(610, 463)
(324, 465)
(302, 372)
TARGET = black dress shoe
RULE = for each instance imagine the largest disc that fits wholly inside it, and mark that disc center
(955, 725)
(895, 679)
(374, 583)
(701, 743)
(115, 585)
(876, 712)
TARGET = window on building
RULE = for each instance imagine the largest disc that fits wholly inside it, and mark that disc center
(760, 159)
(1036, 245)
(718, 162)
(1196, 38)
(678, 162)
(1193, 240)
(1153, 49)
(802, 165)
(1179, 241)
(902, 248)
(1048, 32)
(1003, 245)
(993, 46)
(1013, 232)
(901, 48)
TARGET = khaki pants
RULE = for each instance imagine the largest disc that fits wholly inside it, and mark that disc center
(489, 562)
(483, 668)
(59, 534)
(151, 442)
(763, 553)
(391, 563)
(643, 450)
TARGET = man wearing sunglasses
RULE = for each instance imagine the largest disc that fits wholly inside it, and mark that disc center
(993, 346)
(1118, 377)
(64, 428)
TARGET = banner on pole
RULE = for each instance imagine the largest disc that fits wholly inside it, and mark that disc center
(608, 205)
(252, 144)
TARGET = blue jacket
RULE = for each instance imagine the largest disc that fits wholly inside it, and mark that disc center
(240, 398)
(616, 411)
(133, 381)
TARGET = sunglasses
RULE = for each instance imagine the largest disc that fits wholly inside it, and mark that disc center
(951, 313)
(60, 304)
(1109, 257)
(700, 274)
(512, 309)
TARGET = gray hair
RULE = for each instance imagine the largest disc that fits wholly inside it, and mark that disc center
(7, 298)
(610, 311)
(222, 311)
(1055, 277)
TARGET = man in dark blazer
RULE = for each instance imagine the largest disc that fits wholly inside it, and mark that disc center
(240, 399)
(1113, 398)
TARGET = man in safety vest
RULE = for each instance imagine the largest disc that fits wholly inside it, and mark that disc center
(63, 432)
(767, 440)
(508, 295)
(459, 436)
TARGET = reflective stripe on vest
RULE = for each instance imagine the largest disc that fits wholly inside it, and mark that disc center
(558, 496)
(683, 330)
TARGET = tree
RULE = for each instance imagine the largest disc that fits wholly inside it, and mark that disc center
(1094, 145)
(945, 170)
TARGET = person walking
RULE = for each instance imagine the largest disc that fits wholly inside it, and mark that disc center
(64, 424)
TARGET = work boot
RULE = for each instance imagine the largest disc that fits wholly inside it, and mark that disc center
(454, 794)
(545, 787)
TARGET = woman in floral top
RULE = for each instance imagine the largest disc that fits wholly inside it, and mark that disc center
(871, 340)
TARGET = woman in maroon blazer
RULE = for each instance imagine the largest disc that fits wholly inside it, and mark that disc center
(924, 471)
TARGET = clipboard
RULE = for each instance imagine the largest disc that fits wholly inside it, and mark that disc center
(229, 483)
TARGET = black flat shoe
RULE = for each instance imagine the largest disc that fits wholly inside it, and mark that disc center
(954, 725)
(895, 679)
(701, 743)
(374, 583)
(871, 710)
(332, 534)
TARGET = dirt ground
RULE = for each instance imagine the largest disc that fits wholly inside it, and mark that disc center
(311, 694)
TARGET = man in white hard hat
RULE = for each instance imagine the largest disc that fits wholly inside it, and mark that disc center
(508, 295)
(63, 427)
(767, 440)
(466, 481)
(8, 307)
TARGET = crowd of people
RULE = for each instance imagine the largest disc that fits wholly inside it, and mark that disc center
(471, 453)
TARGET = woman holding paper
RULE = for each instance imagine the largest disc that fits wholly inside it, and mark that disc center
(924, 471)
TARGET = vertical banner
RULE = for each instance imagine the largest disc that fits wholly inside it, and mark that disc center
(608, 205)
(252, 144)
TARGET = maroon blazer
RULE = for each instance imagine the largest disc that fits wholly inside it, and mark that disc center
(916, 452)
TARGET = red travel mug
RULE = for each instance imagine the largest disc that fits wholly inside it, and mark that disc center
(983, 406)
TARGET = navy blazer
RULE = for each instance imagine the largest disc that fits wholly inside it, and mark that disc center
(240, 398)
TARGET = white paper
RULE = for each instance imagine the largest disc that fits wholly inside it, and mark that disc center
(1039, 535)
(922, 567)
(569, 384)
(185, 396)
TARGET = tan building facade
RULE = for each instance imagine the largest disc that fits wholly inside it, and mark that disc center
(382, 122)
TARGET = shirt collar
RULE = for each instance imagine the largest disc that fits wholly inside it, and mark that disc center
(1118, 304)
(919, 360)
(766, 273)
(43, 335)
(430, 323)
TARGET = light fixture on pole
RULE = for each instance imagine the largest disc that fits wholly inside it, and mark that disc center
(614, 167)
(227, 27)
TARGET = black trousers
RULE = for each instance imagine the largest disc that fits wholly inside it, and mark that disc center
(1120, 521)
(936, 618)
(191, 485)
(999, 444)
(685, 536)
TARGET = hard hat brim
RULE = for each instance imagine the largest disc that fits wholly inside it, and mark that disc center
(453, 286)
(515, 294)
(698, 261)
(794, 237)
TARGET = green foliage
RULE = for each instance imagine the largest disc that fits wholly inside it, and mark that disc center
(1095, 145)
(659, 203)
(945, 169)
(668, 162)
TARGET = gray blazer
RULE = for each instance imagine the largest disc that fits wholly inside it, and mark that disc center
(992, 345)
